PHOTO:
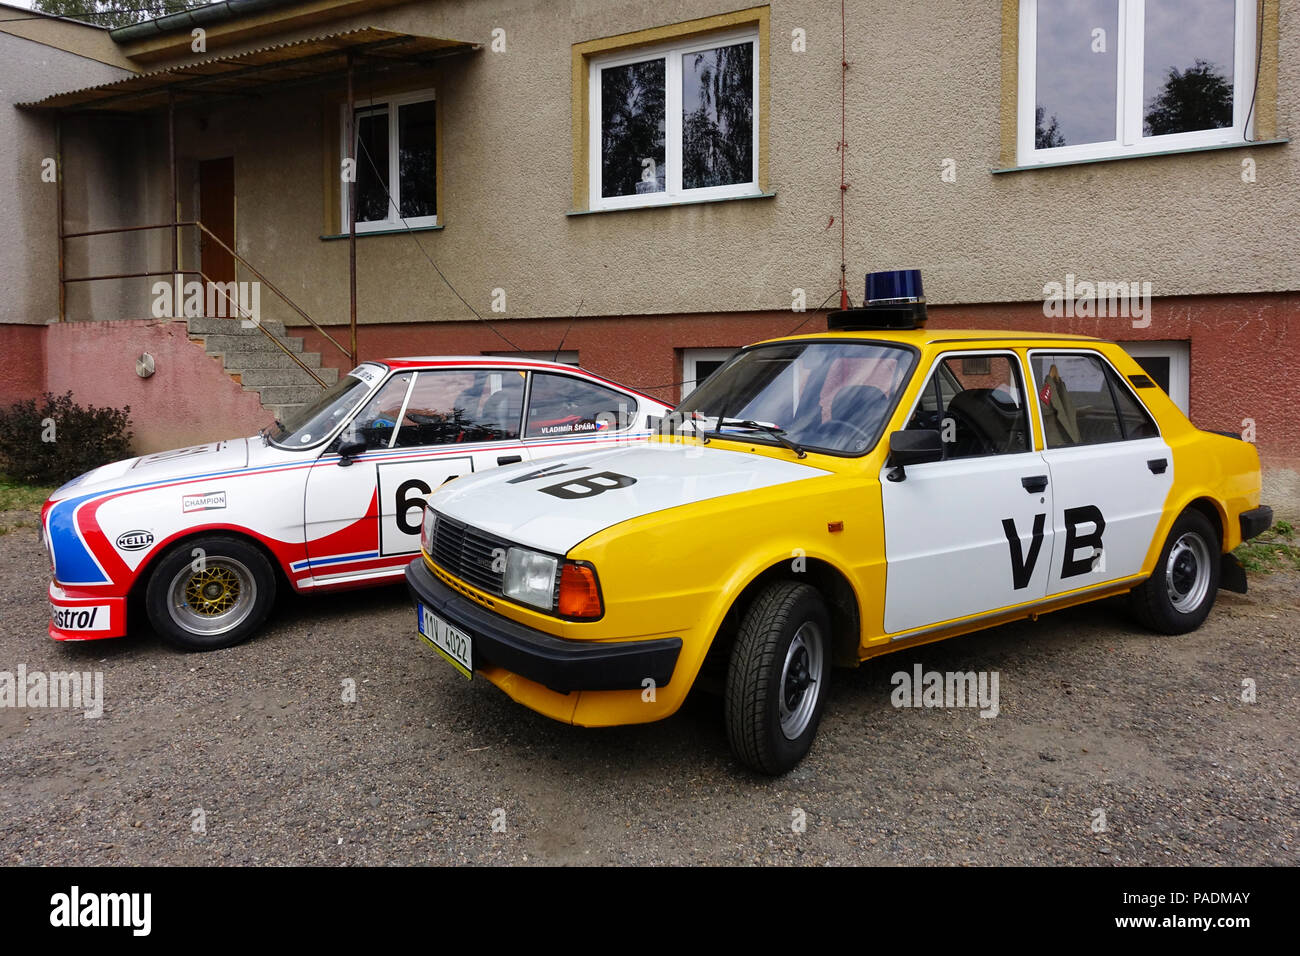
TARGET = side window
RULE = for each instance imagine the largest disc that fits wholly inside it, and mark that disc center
(977, 404)
(560, 405)
(1084, 403)
(454, 407)
(444, 407)
(374, 424)
(1133, 417)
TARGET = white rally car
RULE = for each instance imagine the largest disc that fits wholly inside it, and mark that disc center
(332, 499)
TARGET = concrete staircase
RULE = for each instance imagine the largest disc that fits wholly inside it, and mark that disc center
(252, 360)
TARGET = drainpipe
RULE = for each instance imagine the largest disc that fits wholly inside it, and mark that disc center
(188, 19)
(352, 214)
(171, 167)
(58, 188)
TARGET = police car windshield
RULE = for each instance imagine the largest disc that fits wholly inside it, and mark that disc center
(823, 396)
(308, 426)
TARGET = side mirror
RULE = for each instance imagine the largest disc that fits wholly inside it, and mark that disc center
(350, 450)
(912, 447)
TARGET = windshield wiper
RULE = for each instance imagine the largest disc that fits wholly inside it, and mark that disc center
(766, 427)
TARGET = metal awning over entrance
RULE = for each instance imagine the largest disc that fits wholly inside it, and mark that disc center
(264, 70)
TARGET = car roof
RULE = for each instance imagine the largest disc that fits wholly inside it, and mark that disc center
(409, 361)
(503, 361)
(932, 336)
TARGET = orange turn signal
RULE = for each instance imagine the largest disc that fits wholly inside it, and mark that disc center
(579, 593)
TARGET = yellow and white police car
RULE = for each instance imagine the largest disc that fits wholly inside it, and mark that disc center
(824, 499)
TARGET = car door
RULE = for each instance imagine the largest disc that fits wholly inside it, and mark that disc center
(421, 429)
(1111, 470)
(970, 534)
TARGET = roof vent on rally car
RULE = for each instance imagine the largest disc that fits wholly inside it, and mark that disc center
(895, 300)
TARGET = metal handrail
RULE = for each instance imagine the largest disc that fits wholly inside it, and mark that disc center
(235, 255)
(265, 331)
(268, 283)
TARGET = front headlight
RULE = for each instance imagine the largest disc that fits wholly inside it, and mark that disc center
(426, 529)
(530, 578)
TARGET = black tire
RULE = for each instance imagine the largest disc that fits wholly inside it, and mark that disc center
(1180, 592)
(754, 677)
(215, 599)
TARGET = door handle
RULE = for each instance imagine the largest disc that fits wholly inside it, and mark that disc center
(1158, 465)
(509, 459)
(1035, 483)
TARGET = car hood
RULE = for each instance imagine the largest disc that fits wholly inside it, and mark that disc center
(195, 461)
(552, 504)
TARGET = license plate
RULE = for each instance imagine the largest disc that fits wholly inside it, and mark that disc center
(451, 642)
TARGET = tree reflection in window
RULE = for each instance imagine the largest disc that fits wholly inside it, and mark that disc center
(632, 128)
(1047, 133)
(718, 116)
(415, 153)
(1199, 97)
(1186, 85)
(372, 164)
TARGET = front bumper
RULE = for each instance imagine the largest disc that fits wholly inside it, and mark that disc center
(79, 616)
(554, 662)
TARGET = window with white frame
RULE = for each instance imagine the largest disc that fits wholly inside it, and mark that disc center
(1106, 78)
(395, 146)
(674, 123)
(1168, 364)
(699, 364)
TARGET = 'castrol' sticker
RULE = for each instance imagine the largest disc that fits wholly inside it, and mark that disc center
(208, 501)
(80, 618)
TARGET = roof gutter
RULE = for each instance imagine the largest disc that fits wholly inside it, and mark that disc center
(199, 17)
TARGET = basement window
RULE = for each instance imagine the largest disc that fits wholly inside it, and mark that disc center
(395, 146)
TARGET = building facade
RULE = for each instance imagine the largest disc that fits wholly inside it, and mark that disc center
(649, 187)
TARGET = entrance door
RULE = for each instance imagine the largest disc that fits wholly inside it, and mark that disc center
(217, 212)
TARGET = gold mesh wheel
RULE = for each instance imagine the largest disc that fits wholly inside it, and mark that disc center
(212, 596)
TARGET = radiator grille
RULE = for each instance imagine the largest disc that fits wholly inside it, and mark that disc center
(469, 554)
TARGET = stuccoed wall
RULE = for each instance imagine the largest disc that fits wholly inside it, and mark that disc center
(29, 272)
(923, 86)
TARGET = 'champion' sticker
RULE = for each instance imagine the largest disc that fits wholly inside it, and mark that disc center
(208, 501)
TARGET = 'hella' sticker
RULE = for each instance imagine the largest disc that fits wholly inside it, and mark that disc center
(81, 618)
(208, 501)
(134, 540)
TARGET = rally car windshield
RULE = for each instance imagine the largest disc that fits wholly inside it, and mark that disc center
(308, 426)
(822, 396)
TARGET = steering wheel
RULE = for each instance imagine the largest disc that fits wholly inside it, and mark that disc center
(829, 428)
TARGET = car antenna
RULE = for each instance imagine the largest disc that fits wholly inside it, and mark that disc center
(559, 347)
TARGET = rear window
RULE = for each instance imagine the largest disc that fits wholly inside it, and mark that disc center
(561, 405)
(1083, 401)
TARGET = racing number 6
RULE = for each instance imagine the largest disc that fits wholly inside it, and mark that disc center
(406, 501)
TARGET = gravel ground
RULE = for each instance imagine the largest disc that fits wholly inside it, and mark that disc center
(1095, 715)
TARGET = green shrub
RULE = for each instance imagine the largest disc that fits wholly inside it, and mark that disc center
(49, 441)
